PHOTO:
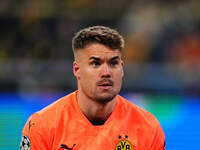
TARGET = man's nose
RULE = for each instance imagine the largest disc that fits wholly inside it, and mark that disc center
(105, 71)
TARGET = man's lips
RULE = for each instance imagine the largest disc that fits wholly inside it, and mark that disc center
(105, 84)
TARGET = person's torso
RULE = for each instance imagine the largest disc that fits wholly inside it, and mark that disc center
(124, 130)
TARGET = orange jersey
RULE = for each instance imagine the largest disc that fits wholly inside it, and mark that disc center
(62, 125)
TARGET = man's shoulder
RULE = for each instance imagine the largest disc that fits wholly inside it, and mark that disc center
(138, 113)
(53, 110)
(145, 122)
(59, 104)
(47, 119)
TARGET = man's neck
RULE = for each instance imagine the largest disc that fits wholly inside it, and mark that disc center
(93, 110)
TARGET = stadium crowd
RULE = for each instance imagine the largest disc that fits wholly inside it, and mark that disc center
(164, 32)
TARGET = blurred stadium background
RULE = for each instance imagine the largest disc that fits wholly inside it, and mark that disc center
(162, 60)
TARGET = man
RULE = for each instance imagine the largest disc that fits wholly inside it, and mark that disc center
(94, 117)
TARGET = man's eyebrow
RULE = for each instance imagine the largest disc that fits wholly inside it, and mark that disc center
(116, 57)
(95, 58)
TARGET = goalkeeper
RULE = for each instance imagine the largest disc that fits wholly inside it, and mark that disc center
(94, 117)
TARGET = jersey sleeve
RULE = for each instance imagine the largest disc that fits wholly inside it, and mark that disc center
(33, 135)
(158, 142)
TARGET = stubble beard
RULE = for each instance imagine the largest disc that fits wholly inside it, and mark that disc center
(100, 96)
(104, 98)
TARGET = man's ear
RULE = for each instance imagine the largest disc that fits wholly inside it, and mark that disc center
(122, 64)
(76, 69)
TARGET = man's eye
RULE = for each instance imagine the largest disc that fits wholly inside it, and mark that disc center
(95, 64)
(114, 63)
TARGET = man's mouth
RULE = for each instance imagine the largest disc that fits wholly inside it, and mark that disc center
(105, 85)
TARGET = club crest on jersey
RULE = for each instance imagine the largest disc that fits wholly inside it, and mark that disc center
(124, 144)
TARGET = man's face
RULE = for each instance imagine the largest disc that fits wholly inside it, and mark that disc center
(99, 72)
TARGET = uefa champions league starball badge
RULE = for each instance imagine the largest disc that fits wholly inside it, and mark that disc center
(25, 143)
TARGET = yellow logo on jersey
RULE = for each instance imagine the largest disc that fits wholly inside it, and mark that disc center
(124, 145)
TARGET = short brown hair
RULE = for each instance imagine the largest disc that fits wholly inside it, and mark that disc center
(97, 34)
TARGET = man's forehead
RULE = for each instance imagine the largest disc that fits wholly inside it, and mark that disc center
(99, 51)
(102, 53)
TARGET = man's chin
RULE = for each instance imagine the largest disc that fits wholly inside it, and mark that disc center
(105, 97)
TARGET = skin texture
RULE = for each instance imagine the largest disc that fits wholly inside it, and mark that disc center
(99, 72)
